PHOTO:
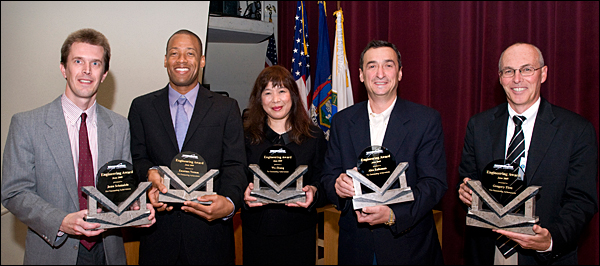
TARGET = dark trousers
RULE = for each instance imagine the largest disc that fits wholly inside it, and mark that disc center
(94, 256)
(295, 249)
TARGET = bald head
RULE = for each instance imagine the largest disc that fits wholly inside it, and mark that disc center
(520, 47)
(522, 88)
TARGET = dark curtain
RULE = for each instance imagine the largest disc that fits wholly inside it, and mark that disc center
(450, 53)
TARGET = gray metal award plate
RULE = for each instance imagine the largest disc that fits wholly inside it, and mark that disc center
(119, 216)
(278, 193)
(501, 217)
(181, 192)
(381, 195)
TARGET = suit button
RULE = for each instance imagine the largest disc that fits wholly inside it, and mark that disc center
(75, 247)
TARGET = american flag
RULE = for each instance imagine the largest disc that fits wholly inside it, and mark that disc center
(300, 57)
(271, 57)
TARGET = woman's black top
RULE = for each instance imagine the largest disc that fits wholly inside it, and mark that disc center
(278, 219)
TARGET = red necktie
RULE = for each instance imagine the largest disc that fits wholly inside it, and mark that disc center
(85, 174)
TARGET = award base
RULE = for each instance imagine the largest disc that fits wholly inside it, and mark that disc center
(278, 193)
(181, 191)
(119, 216)
(501, 217)
(383, 195)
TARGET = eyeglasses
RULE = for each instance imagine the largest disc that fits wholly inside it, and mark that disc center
(525, 71)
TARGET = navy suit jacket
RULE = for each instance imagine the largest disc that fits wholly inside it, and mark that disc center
(215, 133)
(562, 159)
(414, 135)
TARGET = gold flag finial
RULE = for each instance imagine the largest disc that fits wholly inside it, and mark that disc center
(271, 9)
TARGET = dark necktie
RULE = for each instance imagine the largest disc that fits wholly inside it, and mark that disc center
(515, 151)
(85, 174)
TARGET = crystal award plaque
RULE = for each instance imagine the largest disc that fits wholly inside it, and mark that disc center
(187, 175)
(274, 174)
(116, 191)
(503, 190)
(377, 172)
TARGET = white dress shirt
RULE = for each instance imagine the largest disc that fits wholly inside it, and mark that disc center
(530, 115)
(378, 123)
(527, 126)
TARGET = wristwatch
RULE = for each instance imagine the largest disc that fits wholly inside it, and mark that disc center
(152, 168)
(391, 221)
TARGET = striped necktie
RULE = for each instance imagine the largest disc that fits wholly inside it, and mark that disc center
(515, 151)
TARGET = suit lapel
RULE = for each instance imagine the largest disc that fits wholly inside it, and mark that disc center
(543, 133)
(161, 104)
(396, 130)
(57, 138)
(497, 133)
(106, 137)
(360, 131)
(203, 103)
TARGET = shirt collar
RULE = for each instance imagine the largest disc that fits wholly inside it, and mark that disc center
(72, 112)
(191, 95)
(385, 114)
(530, 113)
(273, 136)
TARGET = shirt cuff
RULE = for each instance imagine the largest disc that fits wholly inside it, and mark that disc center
(550, 248)
(59, 235)
(233, 212)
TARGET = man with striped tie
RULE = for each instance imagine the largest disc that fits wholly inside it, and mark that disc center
(555, 148)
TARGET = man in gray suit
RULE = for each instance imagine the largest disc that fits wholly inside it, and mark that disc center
(41, 161)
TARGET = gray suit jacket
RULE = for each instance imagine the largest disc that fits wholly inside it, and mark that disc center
(39, 184)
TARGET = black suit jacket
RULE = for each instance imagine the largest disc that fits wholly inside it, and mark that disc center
(414, 135)
(562, 159)
(215, 132)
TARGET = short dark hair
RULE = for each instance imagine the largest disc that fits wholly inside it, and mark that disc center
(378, 44)
(89, 36)
(184, 31)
